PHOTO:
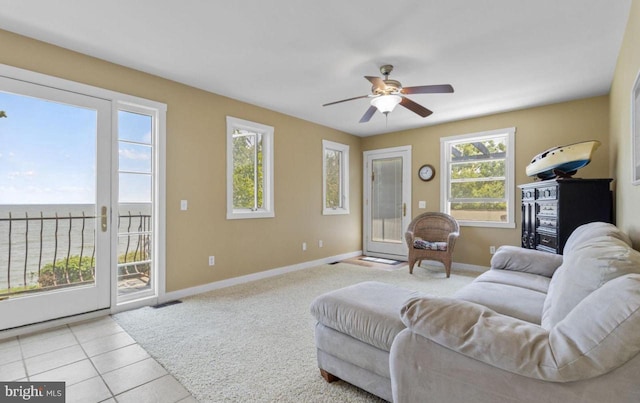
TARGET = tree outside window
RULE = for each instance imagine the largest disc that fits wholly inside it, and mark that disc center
(335, 178)
(478, 167)
(249, 169)
(248, 176)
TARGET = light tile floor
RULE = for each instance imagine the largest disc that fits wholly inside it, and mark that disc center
(98, 361)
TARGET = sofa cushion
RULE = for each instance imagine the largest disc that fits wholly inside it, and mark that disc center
(420, 243)
(587, 232)
(599, 335)
(517, 279)
(591, 264)
(522, 303)
(367, 311)
(515, 258)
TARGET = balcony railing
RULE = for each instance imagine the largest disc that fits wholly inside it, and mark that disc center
(44, 252)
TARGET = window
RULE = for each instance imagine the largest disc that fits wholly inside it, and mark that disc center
(137, 171)
(249, 169)
(477, 187)
(335, 178)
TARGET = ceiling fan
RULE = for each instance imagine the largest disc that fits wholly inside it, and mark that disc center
(387, 93)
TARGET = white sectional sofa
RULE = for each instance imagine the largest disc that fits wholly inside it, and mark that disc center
(536, 327)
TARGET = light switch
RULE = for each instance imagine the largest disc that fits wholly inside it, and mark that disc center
(422, 204)
(183, 204)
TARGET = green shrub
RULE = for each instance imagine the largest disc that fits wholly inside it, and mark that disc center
(63, 272)
(76, 271)
(133, 257)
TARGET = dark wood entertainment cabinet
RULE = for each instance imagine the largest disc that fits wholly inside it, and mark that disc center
(552, 209)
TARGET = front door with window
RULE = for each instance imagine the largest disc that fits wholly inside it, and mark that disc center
(387, 206)
(55, 211)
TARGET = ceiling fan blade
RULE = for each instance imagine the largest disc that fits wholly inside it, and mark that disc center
(376, 81)
(345, 100)
(368, 114)
(414, 107)
(428, 89)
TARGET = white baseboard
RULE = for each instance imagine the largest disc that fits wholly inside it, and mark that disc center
(187, 292)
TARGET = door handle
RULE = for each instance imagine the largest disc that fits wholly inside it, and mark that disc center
(103, 219)
(404, 209)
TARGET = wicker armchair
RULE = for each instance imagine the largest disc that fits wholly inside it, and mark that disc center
(432, 236)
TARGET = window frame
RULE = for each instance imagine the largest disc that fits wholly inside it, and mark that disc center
(267, 133)
(157, 123)
(445, 168)
(344, 178)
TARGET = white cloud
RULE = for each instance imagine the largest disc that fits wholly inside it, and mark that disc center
(20, 174)
(23, 194)
(130, 154)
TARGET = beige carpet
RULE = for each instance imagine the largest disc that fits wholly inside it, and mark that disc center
(254, 342)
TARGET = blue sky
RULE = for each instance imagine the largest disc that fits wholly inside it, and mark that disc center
(48, 153)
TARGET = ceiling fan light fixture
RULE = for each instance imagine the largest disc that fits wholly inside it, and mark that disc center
(386, 103)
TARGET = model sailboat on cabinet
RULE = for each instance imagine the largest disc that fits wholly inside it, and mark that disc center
(562, 161)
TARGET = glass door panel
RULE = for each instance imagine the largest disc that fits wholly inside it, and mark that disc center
(135, 205)
(386, 200)
(54, 198)
(387, 206)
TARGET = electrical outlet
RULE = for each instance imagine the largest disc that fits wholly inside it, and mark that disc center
(320, 244)
(492, 250)
(212, 260)
(304, 246)
(422, 204)
(183, 205)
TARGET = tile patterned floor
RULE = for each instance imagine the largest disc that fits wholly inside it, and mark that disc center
(98, 361)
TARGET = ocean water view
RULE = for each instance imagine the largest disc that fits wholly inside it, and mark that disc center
(33, 237)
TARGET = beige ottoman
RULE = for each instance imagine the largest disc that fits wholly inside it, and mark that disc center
(355, 329)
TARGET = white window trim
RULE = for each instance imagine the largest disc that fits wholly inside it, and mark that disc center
(267, 161)
(344, 178)
(510, 180)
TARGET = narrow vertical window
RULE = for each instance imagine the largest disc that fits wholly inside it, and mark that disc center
(136, 176)
(335, 178)
(249, 169)
(478, 178)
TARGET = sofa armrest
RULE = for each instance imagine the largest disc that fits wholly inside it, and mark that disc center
(482, 334)
(525, 260)
(600, 334)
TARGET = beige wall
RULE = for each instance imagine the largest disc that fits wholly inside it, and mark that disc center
(537, 129)
(196, 165)
(627, 195)
(196, 171)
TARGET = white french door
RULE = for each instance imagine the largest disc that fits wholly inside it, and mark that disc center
(387, 201)
(55, 203)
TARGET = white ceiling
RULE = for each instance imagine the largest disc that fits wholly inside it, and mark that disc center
(292, 56)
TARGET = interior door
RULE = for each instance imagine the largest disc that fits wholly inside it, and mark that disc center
(55, 215)
(387, 206)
